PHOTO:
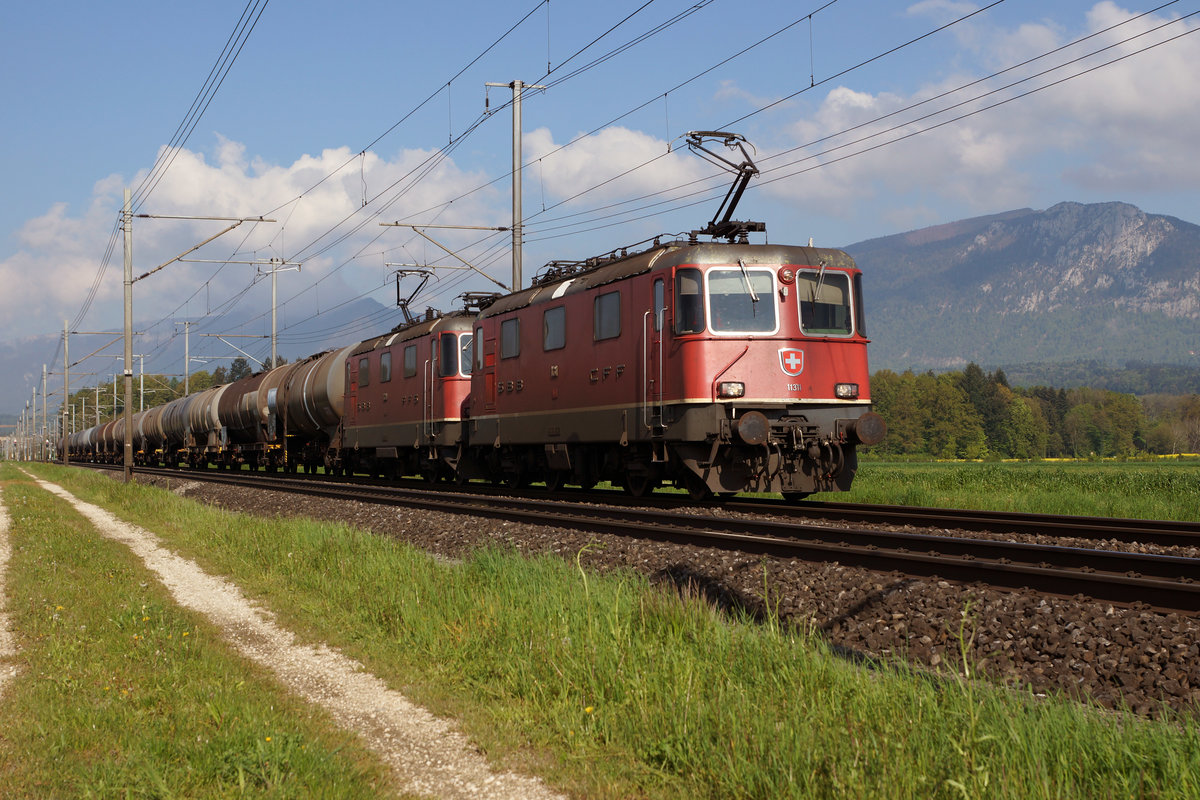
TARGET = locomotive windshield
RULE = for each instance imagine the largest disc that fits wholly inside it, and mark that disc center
(453, 354)
(824, 297)
(689, 301)
(741, 300)
(465, 350)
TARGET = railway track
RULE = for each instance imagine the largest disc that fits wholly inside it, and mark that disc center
(1162, 582)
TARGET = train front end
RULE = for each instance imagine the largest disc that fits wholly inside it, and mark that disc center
(757, 372)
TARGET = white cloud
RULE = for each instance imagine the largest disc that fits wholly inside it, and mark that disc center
(1126, 127)
(620, 163)
(50, 275)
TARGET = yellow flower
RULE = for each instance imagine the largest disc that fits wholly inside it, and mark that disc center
(268, 738)
(185, 633)
(589, 710)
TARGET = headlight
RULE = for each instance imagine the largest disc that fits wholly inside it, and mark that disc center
(729, 389)
(846, 391)
(787, 275)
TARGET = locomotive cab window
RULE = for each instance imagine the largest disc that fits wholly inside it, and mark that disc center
(606, 316)
(478, 348)
(465, 353)
(689, 301)
(554, 328)
(364, 371)
(385, 366)
(860, 319)
(741, 300)
(510, 338)
(410, 361)
(824, 298)
(447, 355)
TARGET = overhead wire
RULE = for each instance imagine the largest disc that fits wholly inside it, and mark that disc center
(216, 78)
(765, 180)
(220, 69)
(814, 83)
(442, 153)
(915, 105)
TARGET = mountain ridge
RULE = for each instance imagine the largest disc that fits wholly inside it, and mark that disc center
(1075, 282)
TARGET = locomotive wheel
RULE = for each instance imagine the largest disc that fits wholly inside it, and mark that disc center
(697, 489)
(515, 480)
(639, 484)
(554, 480)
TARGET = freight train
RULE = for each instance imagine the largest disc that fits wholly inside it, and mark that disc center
(717, 367)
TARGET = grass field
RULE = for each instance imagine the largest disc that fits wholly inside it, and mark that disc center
(1134, 489)
(607, 686)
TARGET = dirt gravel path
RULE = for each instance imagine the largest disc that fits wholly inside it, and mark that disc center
(427, 755)
(8, 647)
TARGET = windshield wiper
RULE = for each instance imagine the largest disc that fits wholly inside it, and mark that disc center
(820, 280)
(746, 278)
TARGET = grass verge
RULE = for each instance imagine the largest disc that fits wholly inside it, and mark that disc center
(614, 688)
(1133, 490)
(121, 693)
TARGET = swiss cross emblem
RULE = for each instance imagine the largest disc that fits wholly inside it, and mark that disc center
(791, 361)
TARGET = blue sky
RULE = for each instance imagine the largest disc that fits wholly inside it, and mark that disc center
(93, 92)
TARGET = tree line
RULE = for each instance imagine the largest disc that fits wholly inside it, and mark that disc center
(973, 414)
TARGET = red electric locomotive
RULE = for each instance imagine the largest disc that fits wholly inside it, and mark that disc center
(717, 367)
(404, 396)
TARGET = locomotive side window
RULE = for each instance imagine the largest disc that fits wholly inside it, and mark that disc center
(659, 304)
(465, 353)
(554, 328)
(689, 301)
(479, 348)
(385, 367)
(510, 338)
(824, 302)
(741, 300)
(606, 316)
(447, 355)
(364, 371)
(410, 361)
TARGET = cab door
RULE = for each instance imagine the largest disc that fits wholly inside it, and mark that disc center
(487, 348)
(654, 335)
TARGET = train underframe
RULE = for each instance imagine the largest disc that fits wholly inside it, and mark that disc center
(705, 449)
(711, 449)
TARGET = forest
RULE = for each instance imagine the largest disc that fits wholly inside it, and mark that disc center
(977, 415)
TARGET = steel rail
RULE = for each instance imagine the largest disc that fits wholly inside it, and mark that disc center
(1164, 583)
(1169, 533)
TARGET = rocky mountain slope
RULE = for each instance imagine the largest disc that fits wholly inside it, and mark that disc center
(1106, 281)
